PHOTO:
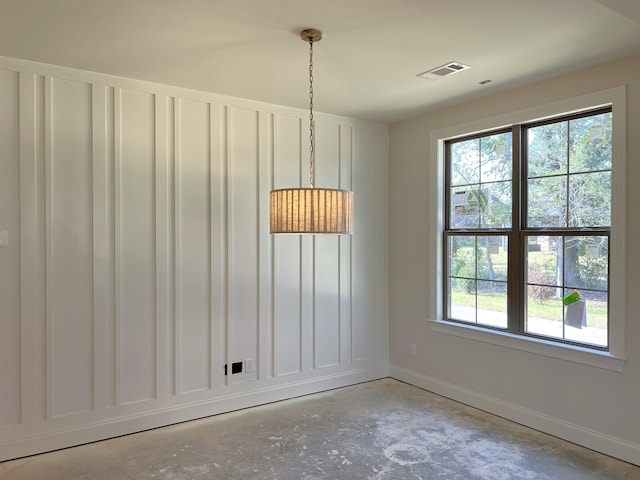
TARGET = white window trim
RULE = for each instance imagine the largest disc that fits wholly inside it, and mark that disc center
(615, 358)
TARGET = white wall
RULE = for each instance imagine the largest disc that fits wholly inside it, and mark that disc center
(588, 405)
(140, 262)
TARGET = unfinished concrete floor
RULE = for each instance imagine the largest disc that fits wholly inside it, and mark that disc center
(378, 430)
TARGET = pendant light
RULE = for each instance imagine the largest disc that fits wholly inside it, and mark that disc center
(311, 210)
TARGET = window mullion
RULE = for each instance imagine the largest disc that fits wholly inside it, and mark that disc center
(515, 313)
(568, 177)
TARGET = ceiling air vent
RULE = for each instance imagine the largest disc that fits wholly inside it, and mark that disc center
(444, 70)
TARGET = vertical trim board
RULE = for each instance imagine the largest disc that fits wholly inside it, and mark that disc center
(110, 181)
(164, 372)
(49, 287)
(218, 255)
(10, 288)
(344, 249)
(100, 233)
(263, 362)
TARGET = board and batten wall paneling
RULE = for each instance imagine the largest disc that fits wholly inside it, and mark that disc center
(219, 263)
(10, 254)
(242, 204)
(193, 246)
(103, 154)
(366, 149)
(287, 291)
(345, 278)
(165, 161)
(33, 234)
(264, 361)
(69, 282)
(326, 255)
(135, 247)
(140, 262)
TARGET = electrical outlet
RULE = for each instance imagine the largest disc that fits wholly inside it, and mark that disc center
(236, 367)
(4, 238)
(248, 365)
(412, 349)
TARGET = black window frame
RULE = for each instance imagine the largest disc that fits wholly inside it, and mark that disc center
(519, 232)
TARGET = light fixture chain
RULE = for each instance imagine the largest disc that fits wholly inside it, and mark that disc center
(311, 137)
(316, 211)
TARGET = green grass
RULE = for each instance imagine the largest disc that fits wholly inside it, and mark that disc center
(545, 309)
(549, 310)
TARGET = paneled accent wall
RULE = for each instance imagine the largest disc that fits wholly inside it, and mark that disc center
(139, 261)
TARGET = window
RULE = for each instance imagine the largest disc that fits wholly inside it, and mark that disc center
(512, 259)
(531, 222)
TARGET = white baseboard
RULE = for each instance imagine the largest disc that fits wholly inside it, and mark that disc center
(34, 444)
(598, 441)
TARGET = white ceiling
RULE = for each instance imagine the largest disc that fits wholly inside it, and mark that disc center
(365, 66)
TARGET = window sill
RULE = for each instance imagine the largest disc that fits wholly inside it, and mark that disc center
(569, 353)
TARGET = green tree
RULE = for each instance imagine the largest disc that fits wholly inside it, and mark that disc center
(569, 185)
